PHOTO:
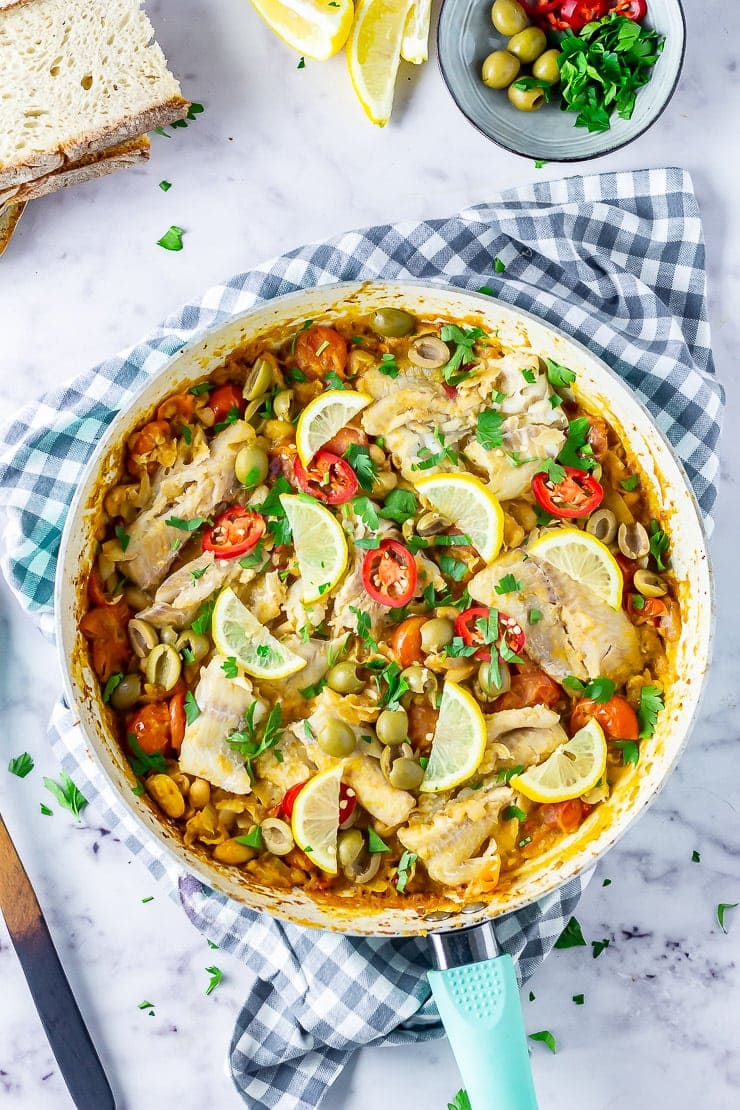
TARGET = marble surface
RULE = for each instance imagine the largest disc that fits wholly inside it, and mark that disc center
(282, 156)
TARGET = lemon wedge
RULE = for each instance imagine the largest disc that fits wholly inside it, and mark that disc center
(320, 544)
(458, 743)
(314, 28)
(374, 54)
(571, 770)
(315, 818)
(470, 506)
(584, 558)
(323, 417)
(415, 44)
(237, 632)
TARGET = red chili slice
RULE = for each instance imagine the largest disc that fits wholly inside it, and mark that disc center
(577, 13)
(233, 533)
(466, 626)
(577, 495)
(389, 574)
(286, 806)
(347, 803)
(328, 478)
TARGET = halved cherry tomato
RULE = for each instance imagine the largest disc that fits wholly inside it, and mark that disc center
(347, 802)
(577, 495)
(616, 716)
(531, 687)
(151, 727)
(389, 574)
(406, 641)
(567, 816)
(632, 9)
(422, 723)
(466, 626)
(653, 609)
(319, 350)
(177, 720)
(105, 628)
(233, 532)
(327, 478)
(143, 451)
(339, 443)
(224, 400)
(286, 806)
(575, 14)
(180, 406)
(96, 591)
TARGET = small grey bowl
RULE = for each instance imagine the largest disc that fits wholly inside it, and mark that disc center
(466, 36)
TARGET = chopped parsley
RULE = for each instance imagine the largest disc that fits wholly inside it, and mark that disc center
(21, 765)
(529, 375)
(546, 1037)
(498, 265)
(216, 975)
(405, 870)
(488, 429)
(389, 366)
(363, 465)
(389, 675)
(198, 573)
(576, 451)
(400, 505)
(112, 684)
(186, 525)
(252, 839)
(255, 558)
(514, 811)
(598, 947)
(486, 289)
(534, 616)
(272, 508)
(507, 773)
(229, 667)
(464, 340)
(651, 703)
(508, 585)
(141, 762)
(172, 238)
(367, 511)
(453, 568)
(165, 186)
(461, 1101)
(248, 742)
(45, 810)
(659, 544)
(231, 418)
(301, 63)
(67, 794)
(558, 376)
(374, 842)
(630, 483)
(579, 999)
(122, 536)
(721, 910)
(363, 628)
(599, 690)
(695, 856)
(192, 709)
(426, 458)
(571, 936)
(313, 690)
(333, 381)
(630, 751)
(554, 471)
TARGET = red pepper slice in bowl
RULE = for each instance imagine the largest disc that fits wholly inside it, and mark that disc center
(233, 533)
(389, 574)
(632, 9)
(328, 478)
(466, 627)
(578, 494)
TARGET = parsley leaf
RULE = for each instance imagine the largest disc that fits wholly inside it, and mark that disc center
(453, 568)
(506, 773)
(389, 366)
(374, 843)
(202, 622)
(575, 450)
(721, 910)
(186, 525)
(333, 381)
(192, 709)
(198, 573)
(534, 616)
(172, 238)
(571, 936)
(630, 483)
(363, 628)
(45, 810)
(651, 703)
(546, 1037)
(405, 870)
(399, 505)
(229, 667)
(363, 465)
(508, 585)
(122, 536)
(67, 794)
(21, 765)
(461, 1101)
(464, 340)
(249, 743)
(514, 811)
(554, 471)
(488, 429)
(598, 689)
(367, 511)
(630, 751)
(558, 376)
(141, 762)
(598, 947)
(216, 975)
(659, 544)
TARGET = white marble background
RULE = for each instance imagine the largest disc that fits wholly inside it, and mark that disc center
(282, 156)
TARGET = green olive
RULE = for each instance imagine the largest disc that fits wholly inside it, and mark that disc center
(500, 69)
(392, 726)
(509, 17)
(343, 678)
(143, 637)
(528, 44)
(393, 322)
(251, 466)
(192, 647)
(526, 100)
(546, 67)
(405, 774)
(491, 683)
(163, 666)
(259, 378)
(127, 692)
(349, 845)
(281, 404)
(336, 739)
(277, 836)
(168, 635)
(383, 482)
(436, 634)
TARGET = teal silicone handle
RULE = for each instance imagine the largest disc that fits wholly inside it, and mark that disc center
(480, 1010)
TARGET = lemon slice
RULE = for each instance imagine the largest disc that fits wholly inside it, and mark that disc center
(315, 818)
(323, 417)
(374, 54)
(237, 632)
(459, 741)
(584, 558)
(415, 44)
(571, 770)
(320, 545)
(312, 27)
(470, 506)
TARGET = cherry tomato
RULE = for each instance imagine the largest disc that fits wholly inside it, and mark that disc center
(632, 9)
(389, 574)
(566, 816)
(319, 350)
(616, 716)
(179, 406)
(652, 611)
(233, 532)
(151, 727)
(224, 400)
(466, 626)
(339, 443)
(105, 628)
(347, 802)
(422, 723)
(406, 641)
(143, 451)
(328, 478)
(577, 495)
(177, 720)
(533, 687)
(96, 591)
(577, 13)
(286, 806)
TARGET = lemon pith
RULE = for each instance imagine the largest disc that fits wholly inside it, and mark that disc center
(470, 506)
(374, 54)
(237, 633)
(315, 819)
(459, 741)
(573, 769)
(320, 545)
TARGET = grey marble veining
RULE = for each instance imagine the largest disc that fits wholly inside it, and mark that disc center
(283, 156)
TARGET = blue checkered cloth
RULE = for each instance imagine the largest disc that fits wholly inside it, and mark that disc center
(615, 260)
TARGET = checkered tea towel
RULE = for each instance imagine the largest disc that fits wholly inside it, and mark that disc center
(617, 261)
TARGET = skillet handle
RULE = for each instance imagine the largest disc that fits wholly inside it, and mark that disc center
(482, 1015)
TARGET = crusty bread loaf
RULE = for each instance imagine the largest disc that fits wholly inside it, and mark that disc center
(130, 153)
(78, 76)
(9, 217)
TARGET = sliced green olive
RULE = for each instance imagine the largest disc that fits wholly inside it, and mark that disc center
(143, 637)
(436, 634)
(127, 692)
(509, 17)
(259, 378)
(251, 466)
(192, 647)
(281, 404)
(392, 726)
(343, 678)
(499, 69)
(405, 774)
(419, 679)
(527, 45)
(603, 525)
(136, 598)
(168, 635)
(349, 846)
(163, 666)
(546, 67)
(647, 583)
(393, 322)
(337, 739)
(277, 836)
(383, 482)
(633, 540)
(429, 352)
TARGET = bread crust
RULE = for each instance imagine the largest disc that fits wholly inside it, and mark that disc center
(130, 153)
(9, 217)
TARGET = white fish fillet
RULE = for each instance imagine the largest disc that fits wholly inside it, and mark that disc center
(178, 599)
(204, 750)
(521, 737)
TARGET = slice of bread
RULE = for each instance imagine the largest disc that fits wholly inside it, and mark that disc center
(78, 76)
(9, 217)
(130, 153)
